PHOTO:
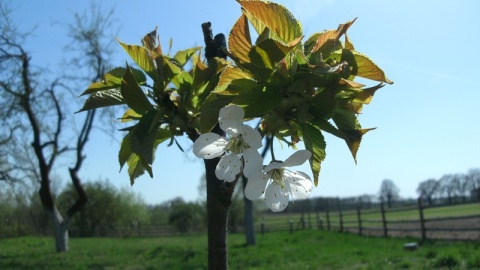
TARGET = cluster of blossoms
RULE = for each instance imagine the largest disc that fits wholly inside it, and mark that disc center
(240, 147)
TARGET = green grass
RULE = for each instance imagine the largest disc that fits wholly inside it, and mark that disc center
(308, 249)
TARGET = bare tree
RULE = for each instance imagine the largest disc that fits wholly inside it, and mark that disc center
(41, 111)
(473, 179)
(427, 189)
(449, 185)
(463, 187)
(389, 192)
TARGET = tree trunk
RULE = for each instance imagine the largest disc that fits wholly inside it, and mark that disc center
(219, 192)
(219, 199)
(60, 227)
(249, 225)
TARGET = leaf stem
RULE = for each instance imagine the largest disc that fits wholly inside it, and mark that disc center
(271, 147)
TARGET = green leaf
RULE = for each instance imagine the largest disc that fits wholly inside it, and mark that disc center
(315, 143)
(183, 56)
(210, 109)
(360, 65)
(143, 136)
(256, 99)
(143, 58)
(326, 42)
(268, 53)
(136, 167)
(346, 121)
(183, 81)
(282, 24)
(113, 79)
(323, 103)
(125, 150)
(139, 145)
(239, 42)
(326, 126)
(205, 80)
(238, 86)
(130, 115)
(170, 70)
(364, 96)
(133, 93)
(110, 97)
(231, 73)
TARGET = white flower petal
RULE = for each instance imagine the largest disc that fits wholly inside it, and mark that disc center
(299, 184)
(274, 165)
(276, 198)
(297, 158)
(251, 136)
(256, 186)
(209, 145)
(228, 167)
(230, 119)
(253, 162)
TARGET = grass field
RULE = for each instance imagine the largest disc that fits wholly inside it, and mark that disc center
(307, 249)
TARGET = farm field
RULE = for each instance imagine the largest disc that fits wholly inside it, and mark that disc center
(408, 214)
(306, 249)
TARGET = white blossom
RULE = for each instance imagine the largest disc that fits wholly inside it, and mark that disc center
(278, 183)
(240, 146)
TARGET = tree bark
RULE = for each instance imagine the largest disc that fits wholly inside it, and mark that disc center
(61, 230)
(249, 221)
(219, 199)
(219, 192)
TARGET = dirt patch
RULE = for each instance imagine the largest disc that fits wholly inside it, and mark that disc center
(448, 229)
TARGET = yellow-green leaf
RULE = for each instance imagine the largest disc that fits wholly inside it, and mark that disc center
(113, 79)
(239, 42)
(231, 73)
(268, 53)
(315, 143)
(143, 58)
(130, 115)
(328, 40)
(256, 99)
(346, 121)
(183, 56)
(133, 94)
(105, 98)
(277, 18)
(362, 66)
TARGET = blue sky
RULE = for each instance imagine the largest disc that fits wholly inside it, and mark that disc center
(427, 123)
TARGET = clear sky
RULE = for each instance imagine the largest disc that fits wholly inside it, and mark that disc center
(427, 122)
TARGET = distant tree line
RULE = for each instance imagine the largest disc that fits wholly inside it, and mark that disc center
(113, 212)
(451, 188)
(109, 212)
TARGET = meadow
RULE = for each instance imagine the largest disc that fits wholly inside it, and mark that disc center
(305, 249)
(372, 218)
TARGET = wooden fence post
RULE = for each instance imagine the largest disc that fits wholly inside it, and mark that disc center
(359, 218)
(422, 220)
(302, 221)
(319, 222)
(262, 226)
(340, 215)
(309, 221)
(328, 220)
(384, 220)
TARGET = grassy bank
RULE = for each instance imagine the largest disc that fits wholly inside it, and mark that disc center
(309, 249)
